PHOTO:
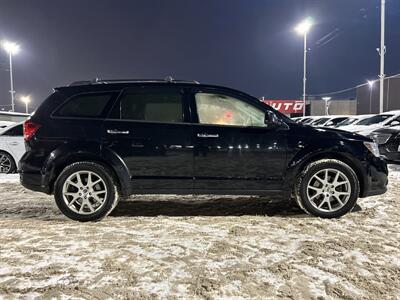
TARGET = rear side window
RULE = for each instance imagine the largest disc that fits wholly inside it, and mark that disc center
(157, 106)
(15, 131)
(91, 105)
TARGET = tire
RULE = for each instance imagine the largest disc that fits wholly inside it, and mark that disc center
(7, 163)
(327, 188)
(91, 197)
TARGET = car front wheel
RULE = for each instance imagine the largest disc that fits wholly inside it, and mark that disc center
(86, 191)
(327, 188)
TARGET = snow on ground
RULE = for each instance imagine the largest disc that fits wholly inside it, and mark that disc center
(198, 247)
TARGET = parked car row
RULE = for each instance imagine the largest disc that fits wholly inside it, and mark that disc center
(383, 128)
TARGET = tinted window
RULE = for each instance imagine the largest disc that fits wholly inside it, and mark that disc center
(85, 105)
(15, 131)
(320, 121)
(225, 110)
(163, 106)
(337, 120)
(347, 122)
(374, 120)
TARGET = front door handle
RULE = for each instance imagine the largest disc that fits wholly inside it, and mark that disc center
(207, 135)
(14, 143)
(115, 131)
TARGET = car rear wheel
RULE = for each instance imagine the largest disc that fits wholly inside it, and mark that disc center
(7, 163)
(327, 188)
(86, 191)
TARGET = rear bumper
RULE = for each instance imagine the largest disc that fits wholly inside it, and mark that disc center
(34, 182)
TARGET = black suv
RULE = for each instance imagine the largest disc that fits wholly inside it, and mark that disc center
(91, 143)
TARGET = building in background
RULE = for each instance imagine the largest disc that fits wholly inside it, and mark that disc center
(335, 107)
(368, 96)
(315, 107)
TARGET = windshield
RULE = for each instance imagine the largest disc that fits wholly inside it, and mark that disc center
(336, 121)
(320, 121)
(374, 120)
(347, 122)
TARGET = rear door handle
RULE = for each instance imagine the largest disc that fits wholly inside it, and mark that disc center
(207, 135)
(115, 131)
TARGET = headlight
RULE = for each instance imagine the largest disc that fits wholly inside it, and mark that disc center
(373, 148)
(380, 138)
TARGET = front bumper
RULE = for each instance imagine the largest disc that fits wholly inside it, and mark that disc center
(375, 178)
(389, 155)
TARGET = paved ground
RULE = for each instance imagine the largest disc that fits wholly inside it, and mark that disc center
(198, 247)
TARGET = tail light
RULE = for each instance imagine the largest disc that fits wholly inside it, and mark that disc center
(30, 129)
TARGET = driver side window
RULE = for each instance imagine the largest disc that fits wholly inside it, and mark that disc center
(218, 109)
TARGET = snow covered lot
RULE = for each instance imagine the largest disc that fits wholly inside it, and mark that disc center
(198, 247)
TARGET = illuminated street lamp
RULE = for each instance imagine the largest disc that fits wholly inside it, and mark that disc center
(12, 49)
(303, 28)
(371, 84)
(26, 100)
(326, 99)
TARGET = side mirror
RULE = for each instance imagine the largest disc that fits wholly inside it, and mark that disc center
(271, 120)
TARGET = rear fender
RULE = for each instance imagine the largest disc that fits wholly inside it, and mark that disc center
(68, 153)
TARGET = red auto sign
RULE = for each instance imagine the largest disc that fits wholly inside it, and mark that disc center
(286, 106)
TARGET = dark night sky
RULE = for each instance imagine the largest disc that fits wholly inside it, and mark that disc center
(247, 44)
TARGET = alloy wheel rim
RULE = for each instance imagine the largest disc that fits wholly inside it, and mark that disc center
(5, 164)
(328, 190)
(84, 192)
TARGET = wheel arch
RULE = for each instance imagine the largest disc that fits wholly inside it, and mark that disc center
(298, 166)
(65, 156)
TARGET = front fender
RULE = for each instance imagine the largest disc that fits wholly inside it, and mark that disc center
(333, 149)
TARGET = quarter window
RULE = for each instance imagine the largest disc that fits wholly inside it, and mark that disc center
(155, 106)
(85, 106)
(220, 109)
(15, 131)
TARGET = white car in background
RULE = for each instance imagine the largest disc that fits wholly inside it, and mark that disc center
(329, 121)
(352, 120)
(4, 124)
(368, 125)
(12, 147)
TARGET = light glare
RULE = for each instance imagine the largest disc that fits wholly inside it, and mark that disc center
(26, 99)
(10, 47)
(304, 27)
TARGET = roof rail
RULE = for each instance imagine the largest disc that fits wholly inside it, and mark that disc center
(167, 79)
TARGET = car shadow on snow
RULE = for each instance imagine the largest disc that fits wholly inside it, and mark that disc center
(222, 206)
(202, 207)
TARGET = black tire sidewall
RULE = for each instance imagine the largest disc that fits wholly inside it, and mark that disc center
(13, 168)
(100, 171)
(329, 165)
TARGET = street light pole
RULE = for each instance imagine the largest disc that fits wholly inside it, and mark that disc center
(326, 99)
(11, 84)
(303, 28)
(11, 49)
(371, 84)
(382, 51)
(26, 100)
(305, 74)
